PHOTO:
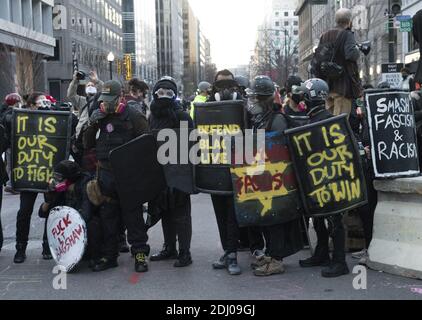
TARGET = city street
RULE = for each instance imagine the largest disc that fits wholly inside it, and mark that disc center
(34, 278)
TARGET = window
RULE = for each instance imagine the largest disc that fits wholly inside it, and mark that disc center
(277, 24)
(286, 23)
(295, 23)
(277, 13)
(286, 14)
(296, 32)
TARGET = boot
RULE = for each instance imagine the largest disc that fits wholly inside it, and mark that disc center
(184, 259)
(220, 263)
(336, 269)
(141, 264)
(231, 264)
(272, 267)
(105, 264)
(123, 247)
(20, 255)
(260, 262)
(168, 253)
(315, 261)
(46, 253)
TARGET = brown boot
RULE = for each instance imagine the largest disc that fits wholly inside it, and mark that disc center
(272, 267)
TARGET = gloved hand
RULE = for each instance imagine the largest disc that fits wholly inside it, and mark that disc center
(96, 116)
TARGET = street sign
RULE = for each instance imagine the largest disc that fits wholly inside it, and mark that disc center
(406, 26)
(391, 67)
(404, 18)
(391, 74)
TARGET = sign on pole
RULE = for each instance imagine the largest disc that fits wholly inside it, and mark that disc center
(391, 74)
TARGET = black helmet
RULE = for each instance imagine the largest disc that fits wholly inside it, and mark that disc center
(292, 81)
(165, 83)
(262, 86)
(68, 170)
(315, 92)
(242, 81)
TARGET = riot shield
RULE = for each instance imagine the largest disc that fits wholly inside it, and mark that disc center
(328, 167)
(40, 140)
(139, 177)
(173, 155)
(67, 236)
(392, 128)
(217, 122)
(266, 194)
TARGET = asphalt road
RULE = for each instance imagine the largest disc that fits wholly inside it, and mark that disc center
(34, 278)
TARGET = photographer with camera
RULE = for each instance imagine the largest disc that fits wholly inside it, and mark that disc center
(335, 61)
(82, 93)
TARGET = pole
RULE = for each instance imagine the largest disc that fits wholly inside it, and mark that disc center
(111, 70)
(286, 53)
(391, 35)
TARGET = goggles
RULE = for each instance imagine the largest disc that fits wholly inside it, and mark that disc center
(165, 93)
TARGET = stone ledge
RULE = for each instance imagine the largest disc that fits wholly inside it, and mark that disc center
(403, 185)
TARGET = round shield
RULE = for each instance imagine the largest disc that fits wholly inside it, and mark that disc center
(67, 236)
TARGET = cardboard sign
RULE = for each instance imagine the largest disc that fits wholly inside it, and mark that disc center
(40, 140)
(217, 120)
(67, 236)
(392, 129)
(267, 194)
(328, 167)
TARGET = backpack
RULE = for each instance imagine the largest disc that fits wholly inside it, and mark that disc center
(323, 65)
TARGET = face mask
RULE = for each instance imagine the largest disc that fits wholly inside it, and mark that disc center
(91, 91)
(301, 107)
(59, 186)
(225, 95)
(44, 103)
(161, 108)
(404, 76)
(297, 98)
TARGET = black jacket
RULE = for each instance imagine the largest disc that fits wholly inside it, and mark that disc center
(417, 34)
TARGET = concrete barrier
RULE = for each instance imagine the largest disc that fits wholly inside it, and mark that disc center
(396, 247)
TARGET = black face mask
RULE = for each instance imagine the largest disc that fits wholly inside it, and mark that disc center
(297, 98)
(161, 108)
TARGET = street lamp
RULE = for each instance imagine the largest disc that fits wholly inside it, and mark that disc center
(110, 59)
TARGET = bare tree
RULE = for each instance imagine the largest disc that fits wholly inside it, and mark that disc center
(274, 58)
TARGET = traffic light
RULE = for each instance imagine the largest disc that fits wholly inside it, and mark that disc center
(395, 7)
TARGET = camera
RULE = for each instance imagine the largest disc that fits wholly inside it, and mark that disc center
(365, 47)
(80, 75)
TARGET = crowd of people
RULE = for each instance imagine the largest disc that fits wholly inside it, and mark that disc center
(106, 116)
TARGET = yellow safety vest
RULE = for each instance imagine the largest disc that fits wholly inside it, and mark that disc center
(198, 99)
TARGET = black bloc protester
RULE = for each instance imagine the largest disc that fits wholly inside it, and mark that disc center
(392, 128)
(40, 140)
(139, 176)
(266, 194)
(328, 167)
(220, 122)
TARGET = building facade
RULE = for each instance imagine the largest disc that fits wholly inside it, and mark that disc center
(277, 48)
(86, 31)
(139, 39)
(26, 39)
(170, 51)
(411, 53)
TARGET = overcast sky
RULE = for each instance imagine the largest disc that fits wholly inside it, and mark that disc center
(231, 27)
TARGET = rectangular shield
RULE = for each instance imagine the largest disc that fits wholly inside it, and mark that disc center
(392, 129)
(328, 167)
(173, 155)
(215, 121)
(139, 176)
(40, 140)
(266, 194)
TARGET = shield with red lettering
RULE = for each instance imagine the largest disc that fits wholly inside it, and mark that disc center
(67, 236)
(265, 190)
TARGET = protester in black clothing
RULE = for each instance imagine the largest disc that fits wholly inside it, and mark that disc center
(68, 187)
(3, 178)
(36, 101)
(172, 205)
(283, 239)
(225, 88)
(315, 93)
(116, 123)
